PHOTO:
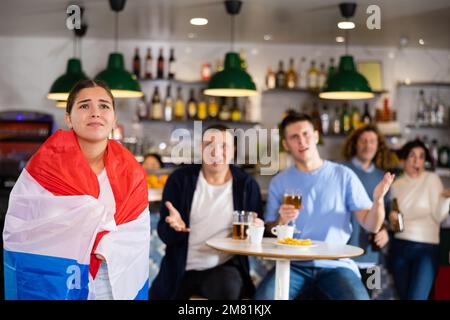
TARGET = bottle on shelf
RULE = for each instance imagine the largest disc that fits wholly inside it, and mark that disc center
(433, 111)
(213, 108)
(345, 119)
(160, 65)
(168, 105)
(440, 112)
(219, 65)
(270, 79)
(366, 118)
(235, 113)
(291, 75)
(325, 120)
(322, 77)
(302, 74)
(137, 64)
(315, 116)
(141, 108)
(202, 109)
(172, 64)
(336, 122)
(387, 112)
(148, 74)
(355, 118)
(192, 106)
(179, 106)
(313, 77)
(205, 73)
(434, 153)
(280, 76)
(331, 68)
(444, 156)
(157, 109)
(224, 113)
(244, 64)
(421, 109)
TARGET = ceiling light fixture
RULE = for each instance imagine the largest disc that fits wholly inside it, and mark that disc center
(340, 39)
(232, 81)
(346, 25)
(199, 21)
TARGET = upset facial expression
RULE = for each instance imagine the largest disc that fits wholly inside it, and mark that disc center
(92, 116)
(301, 140)
(366, 146)
(415, 162)
(217, 150)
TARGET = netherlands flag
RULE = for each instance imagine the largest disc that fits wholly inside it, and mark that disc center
(55, 225)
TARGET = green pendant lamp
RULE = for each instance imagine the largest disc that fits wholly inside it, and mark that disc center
(122, 83)
(232, 81)
(61, 87)
(347, 83)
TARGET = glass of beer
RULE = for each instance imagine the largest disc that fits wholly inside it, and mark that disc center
(241, 222)
(293, 197)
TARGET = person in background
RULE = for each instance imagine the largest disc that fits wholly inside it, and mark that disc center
(424, 203)
(198, 204)
(331, 193)
(78, 225)
(152, 161)
(367, 154)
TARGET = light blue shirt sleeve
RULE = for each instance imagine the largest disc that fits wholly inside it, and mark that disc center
(274, 196)
(356, 197)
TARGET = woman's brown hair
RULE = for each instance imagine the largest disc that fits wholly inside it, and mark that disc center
(84, 84)
(384, 158)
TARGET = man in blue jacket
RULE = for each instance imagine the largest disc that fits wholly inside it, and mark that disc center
(198, 203)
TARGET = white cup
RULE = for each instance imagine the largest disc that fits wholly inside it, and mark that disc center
(255, 233)
(283, 231)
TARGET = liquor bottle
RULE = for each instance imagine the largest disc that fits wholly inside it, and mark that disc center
(148, 64)
(315, 116)
(440, 113)
(331, 69)
(205, 73)
(336, 122)
(421, 109)
(172, 66)
(270, 79)
(235, 114)
(433, 111)
(355, 118)
(313, 77)
(322, 77)
(160, 65)
(244, 64)
(387, 113)
(434, 153)
(325, 120)
(281, 76)
(141, 108)
(137, 64)
(397, 223)
(444, 157)
(224, 113)
(157, 110)
(168, 105)
(291, 75)
(345, 119)
(202, 109)
(213, 108)
(302, 74)
(179, 106)
(192, 106)
(366, 118)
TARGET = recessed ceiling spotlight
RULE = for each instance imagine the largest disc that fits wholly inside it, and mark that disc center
(340, 39)
(199, 21)
(346, 25)
(267, 37)
(191, 35)
(254, 51)
(391, 55)
(421, 42)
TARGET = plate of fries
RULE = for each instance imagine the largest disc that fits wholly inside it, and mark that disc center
(298, 243)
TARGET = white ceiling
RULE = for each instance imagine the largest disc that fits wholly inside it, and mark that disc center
(287, 21)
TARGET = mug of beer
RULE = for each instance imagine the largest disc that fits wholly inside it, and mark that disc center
(241, 222)
(293, 197)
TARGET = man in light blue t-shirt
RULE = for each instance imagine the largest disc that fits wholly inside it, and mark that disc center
(331, 193)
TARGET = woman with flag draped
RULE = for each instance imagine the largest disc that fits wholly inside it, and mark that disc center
(77, 225)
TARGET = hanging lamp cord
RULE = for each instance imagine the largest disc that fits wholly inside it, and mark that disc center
(117, 32)
(232, 33)
(346, 42)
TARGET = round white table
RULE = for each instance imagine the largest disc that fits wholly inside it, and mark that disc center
(283, 254)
